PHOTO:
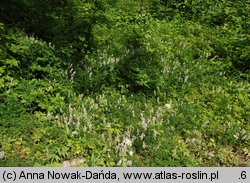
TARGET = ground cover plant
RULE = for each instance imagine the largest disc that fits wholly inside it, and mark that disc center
(124, 83)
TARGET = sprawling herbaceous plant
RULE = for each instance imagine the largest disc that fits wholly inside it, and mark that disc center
(124, 83)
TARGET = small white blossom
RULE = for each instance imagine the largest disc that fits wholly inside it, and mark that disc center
(1, 154)
(155, 134)
(70, 109)
(129, 163)
(127, 141)
(142, 136)
(243, 131)
(48, 115)
(133, 113)
(74, 133)
(236, 136)
(66, 164)
(130, 153)
(108, 125)
(168, 106)
(119, 162)
(78, 124)
(143, 122)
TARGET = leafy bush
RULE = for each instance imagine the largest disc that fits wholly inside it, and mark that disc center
(128, 83)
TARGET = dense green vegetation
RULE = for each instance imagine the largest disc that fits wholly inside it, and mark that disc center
(125, 83)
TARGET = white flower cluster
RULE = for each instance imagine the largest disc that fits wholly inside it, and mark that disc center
(124, 150)
(1, 154)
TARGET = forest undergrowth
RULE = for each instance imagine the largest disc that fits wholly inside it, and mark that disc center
(124, 83)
